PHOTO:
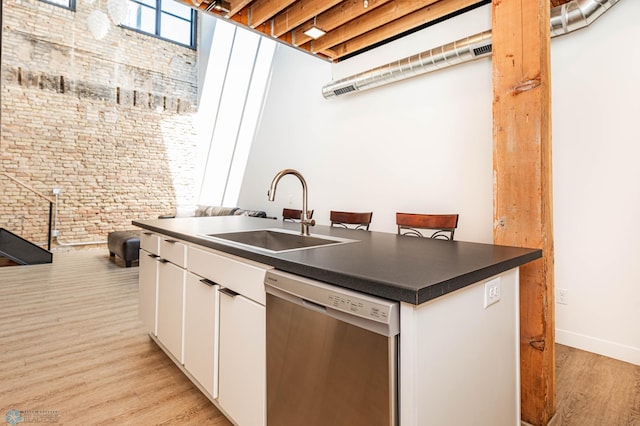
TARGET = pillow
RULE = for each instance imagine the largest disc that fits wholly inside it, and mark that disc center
(252, 213)
(214, 211)
(185, 211)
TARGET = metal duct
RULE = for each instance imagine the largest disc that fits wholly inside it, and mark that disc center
(577, 14)
(566, 18)
(444, 56)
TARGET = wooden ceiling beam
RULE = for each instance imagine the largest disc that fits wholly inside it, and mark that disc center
(335, 17)
(299, 13)
(349, 26)
(435, 11)
(371, 21)
(253, 13)
(237, 6)
(261, 11)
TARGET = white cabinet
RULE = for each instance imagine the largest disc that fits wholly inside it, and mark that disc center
(241, 390)
(454, 340)
(171, 281)
(241, 275)
(201, 332)
(242, 370)
(174, 251)
(170, 311)
(207, 310)
(147, 290)
(150, 242)
(148, 280)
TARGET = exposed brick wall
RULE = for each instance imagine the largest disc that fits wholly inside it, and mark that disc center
(109, 122)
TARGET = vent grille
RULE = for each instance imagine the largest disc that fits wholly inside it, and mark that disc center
(344, 90)
(483, 50)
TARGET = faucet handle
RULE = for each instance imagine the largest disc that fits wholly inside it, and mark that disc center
(304, 226)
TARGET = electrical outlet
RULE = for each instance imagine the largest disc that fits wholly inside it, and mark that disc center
(54, 233)
(56, 191)
(562, 296)
(491, 292)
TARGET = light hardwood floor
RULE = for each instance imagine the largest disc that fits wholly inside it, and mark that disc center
(71, 342)
(593, 390)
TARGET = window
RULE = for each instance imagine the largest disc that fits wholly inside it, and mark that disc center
(230, 107)
(67, 4)
(165, 19)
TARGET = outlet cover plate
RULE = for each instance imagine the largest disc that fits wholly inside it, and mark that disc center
(562, 296)
(491, 292)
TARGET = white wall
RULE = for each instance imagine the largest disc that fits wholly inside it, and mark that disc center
(596, 192)
(417, 146)
(425, 145)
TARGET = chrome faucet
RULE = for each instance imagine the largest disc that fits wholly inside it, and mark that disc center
(304, 219)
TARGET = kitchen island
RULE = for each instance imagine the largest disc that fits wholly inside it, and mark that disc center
(458, 352)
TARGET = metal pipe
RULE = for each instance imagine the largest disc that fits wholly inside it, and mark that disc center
(577, 14)
(569, 17)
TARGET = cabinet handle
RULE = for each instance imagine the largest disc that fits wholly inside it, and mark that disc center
(148, 233)
(228, 292)
(208, 282)
(163, 260)
(153, 256)
(171, 241)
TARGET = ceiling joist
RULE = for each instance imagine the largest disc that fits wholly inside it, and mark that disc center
(351, 26)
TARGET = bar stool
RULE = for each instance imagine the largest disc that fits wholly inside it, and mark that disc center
(294, 215)
(342, 219)
(444, 225)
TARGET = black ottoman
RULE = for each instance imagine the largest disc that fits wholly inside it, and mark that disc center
(124, 244)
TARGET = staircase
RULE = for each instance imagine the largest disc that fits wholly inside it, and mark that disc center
(15, 250)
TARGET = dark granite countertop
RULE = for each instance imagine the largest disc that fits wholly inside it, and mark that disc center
(407, 269)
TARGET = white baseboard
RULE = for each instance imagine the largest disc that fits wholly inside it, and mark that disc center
(551, 422)
(599, 346)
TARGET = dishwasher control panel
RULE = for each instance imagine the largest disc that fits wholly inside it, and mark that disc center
(358, 306)
(335, 301)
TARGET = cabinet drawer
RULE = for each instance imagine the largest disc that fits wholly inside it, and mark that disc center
(150, 242)
(174, 251)
(242, 276)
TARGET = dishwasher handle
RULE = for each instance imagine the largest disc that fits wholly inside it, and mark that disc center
(313, 306)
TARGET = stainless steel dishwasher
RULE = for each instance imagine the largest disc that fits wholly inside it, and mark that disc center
(331, 354)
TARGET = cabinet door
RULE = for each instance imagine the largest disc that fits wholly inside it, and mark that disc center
(147, 290)
(242, 364)
(171, 283)
(201, 332)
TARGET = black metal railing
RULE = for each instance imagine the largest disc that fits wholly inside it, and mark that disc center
(39, 194)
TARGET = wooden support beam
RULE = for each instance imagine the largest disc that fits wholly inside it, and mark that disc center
(523, 185)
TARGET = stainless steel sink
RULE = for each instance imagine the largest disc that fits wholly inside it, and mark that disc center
(277, 240)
